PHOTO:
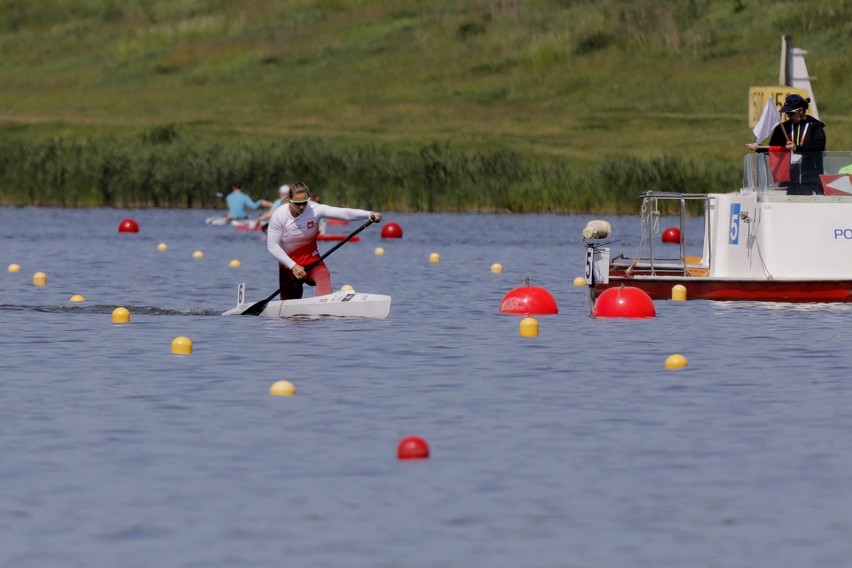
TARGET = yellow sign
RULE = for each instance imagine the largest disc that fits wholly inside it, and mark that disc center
(757, 99)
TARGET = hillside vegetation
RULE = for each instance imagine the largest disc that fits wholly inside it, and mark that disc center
(438, 105)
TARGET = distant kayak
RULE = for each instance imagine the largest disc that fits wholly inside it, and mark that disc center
(325, 236)
(252, 225)
(333, 237)
(237, 224)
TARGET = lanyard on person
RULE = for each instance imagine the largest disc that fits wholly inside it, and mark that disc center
(800, 133)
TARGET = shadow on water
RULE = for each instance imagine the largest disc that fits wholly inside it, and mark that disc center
(148, 311)
(104, 309)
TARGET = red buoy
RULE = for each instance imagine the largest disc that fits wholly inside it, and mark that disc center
(391, 231)
(671, 235)
(624, 302)
(412, 448)
(128, 226)
(526, 300)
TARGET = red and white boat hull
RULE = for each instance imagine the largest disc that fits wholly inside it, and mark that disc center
(759, 244)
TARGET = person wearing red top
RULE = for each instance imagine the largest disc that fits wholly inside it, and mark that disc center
(291, 238)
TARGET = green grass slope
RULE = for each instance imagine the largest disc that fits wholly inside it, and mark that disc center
(562, 87)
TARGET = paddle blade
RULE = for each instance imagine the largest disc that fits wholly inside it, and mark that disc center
(255, 309)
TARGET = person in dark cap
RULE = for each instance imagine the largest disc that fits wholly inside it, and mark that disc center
(804, 136)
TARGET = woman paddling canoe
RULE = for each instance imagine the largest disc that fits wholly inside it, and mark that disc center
(292, 239)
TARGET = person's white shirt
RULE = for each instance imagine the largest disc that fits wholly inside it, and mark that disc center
(287, 234)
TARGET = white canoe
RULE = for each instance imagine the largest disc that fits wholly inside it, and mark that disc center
(239, 224)
(350, 304)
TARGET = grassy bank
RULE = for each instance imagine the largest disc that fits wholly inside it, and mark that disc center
(163, 169)
(439, 105)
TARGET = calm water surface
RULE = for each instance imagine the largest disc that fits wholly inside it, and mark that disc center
(573, 449)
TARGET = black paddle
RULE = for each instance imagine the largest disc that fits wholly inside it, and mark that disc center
(258, 307)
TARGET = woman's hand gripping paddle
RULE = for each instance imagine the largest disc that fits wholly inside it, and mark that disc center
(257, 308)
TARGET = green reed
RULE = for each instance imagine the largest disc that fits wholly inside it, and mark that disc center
(164, 169)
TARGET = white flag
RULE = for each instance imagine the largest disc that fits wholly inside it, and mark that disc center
(768, 121)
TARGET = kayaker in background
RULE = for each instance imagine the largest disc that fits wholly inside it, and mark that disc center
(804, 137)
(283, 197)
(238, 202)
(292, 239)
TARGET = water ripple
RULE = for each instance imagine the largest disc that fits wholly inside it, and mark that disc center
(105, 309)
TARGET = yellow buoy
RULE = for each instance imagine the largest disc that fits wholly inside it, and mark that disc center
(235, 263)
(679, 293)
(346, 288)
(76, 298)
(676, 361)
(14, 268)
(162, 246)
(198, 254)
(40, 279)
(181, 346)
(579, 281)
(120, 315)
(282, 388)
(434, 258)
(529, 327)
(380, 251)
(496, 267)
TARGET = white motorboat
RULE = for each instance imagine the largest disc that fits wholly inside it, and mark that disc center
(759, 243)
(345, 303)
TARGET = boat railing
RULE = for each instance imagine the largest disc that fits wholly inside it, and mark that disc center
(834, 162)
(761, 169)
(650, 214)
(757, 173)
